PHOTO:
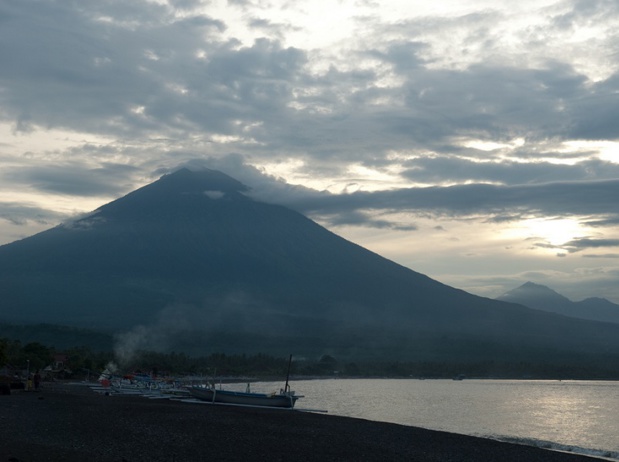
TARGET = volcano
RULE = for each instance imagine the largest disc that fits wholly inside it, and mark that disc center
(193, 257)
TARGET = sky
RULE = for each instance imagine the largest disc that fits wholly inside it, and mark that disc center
(475, 141)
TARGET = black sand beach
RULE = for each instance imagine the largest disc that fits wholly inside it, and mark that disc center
(72, 423)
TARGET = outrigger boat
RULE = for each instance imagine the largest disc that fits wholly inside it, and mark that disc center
(283, 399)
(286, 398)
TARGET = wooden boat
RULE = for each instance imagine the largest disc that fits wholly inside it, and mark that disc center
(283, 399)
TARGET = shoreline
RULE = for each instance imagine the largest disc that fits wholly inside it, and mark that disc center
(71, 422)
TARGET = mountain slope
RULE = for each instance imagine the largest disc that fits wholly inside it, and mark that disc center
(192, 257)
(543, 298)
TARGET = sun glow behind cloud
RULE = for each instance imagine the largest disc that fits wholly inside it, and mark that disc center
(552, 231)
(607, 150)
(303, 25)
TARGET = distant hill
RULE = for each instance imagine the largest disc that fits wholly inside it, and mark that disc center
(192, 263)
(540, 297)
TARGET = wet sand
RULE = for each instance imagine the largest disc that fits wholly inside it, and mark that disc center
(73, 423)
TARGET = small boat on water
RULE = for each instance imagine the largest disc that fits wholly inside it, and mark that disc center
(283, 399)
(286, 398)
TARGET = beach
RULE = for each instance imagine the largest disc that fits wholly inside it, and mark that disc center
(65, 422)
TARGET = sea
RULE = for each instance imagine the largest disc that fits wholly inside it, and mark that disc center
(581, 417)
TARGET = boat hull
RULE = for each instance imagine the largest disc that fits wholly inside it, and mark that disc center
(244, 399)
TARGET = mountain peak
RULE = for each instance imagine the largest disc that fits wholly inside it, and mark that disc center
(533, 286)
(211, 270)
(191, 181)
(540, 297)
(530, 294)
(182, 189)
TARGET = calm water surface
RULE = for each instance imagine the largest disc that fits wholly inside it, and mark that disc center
(578, 416)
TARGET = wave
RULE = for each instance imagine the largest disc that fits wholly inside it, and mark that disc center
(598, 453)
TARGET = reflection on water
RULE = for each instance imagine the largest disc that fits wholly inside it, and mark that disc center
(574, 414)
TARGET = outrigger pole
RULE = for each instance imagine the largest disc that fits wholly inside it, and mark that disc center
(287, 387)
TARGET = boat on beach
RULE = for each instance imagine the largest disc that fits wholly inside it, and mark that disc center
(286, 398)
(145, 385)
(283, 399)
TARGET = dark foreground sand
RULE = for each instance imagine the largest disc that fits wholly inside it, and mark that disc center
(72, 423)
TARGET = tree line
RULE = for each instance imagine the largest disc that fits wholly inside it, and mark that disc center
(83, 361)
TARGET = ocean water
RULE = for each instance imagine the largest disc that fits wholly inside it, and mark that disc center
(575, 416)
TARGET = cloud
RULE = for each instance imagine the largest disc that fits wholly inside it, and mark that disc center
(92, 67)
(603, 256)
(594, 112)
(450, 170)
(139, 70)
(578, 245)
(125, 77)
(578, 198)
(72, 178)
(21, 214)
